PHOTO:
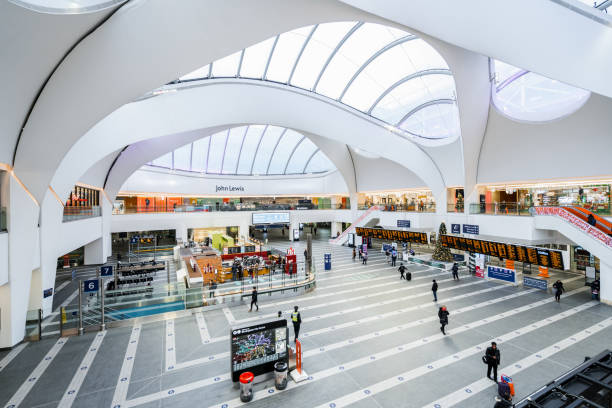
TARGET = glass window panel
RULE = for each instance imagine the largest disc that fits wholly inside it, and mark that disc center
(255, 58)
(503, 71)
(284, 149)
(413, 93)
(248, 148)
(226, 67)
(434, 122)
(197, 74)
(364, 42)
(200, 148)
(273, 133)
(285, 53)
(215, 155)
(182, 156)
(322, 43)
(301, 155)
(164, 161)
(319, 163)
(233, 148)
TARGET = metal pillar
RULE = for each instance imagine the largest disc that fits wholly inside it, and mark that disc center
(80, 308)
(309, 252)
(101, 284)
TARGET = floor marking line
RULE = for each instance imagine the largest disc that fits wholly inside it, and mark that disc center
(360, 362)
(32, 379)
(11, 355)
(62, 286)
(514, 368)
(170, 345)
(125, 374)
(69, 299)
(204, 334)
(79, 377)
(229, 316)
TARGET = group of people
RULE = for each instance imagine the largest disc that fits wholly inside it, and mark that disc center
(363, 256)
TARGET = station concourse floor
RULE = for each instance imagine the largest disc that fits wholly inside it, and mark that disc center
(369, 340)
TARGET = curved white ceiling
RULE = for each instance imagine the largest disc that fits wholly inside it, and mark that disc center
(67, 6)
(249, 150)
(380, 70)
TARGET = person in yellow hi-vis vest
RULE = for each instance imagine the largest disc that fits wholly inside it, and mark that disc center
(296, 319)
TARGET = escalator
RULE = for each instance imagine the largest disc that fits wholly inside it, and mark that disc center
(601, 223)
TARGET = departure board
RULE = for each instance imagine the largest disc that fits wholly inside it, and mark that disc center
(392, 235)
(536, 256)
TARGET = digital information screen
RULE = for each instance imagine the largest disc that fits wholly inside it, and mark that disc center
(257, 348)
(392, 235)
(536, 256)
(271, 218)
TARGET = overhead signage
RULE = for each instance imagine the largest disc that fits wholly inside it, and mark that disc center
(496, 272)
(106, 270)
(271, 218)
(257, 348)
(392, 235)
(471, 229)
(536, 256)
(455, 228)
(90, 285)
(229, 188)
(403, 223)
(535, 283)
(47, 293)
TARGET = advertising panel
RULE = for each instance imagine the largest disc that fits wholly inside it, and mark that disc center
(479, 260)
(495, 272)
(535, 283)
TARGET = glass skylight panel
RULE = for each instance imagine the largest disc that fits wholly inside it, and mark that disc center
(164, 161)
(285, 54)
(227, 67)
(266, 147)
(434, 122)
(283, 150)
(319, 163)
(322, 43)
(198, 158)
(365, 42)
(255, 58)
(302, 153)
(182, 157)
(197, 74)
(215, 154)
(407, 96)
(248, 148)
(233, 149)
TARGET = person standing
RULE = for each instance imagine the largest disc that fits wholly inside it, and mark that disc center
(296, 319)
(434, 289)
(360, 253)
(305, 254)
(254, 300)
(493, 359)
(315, 230)
(401, 270)
(365, 258)
(558, 287)
(393, 257)
(443, 316)
(455, 271)
(354, 254)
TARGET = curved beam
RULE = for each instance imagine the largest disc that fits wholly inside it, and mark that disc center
(425, 105)
(224, 149)
(373, 57)
(297, 60)
(309, 159)
(257, 148)
(274, 150)
(265, 73)
(246, 130)
(333, 54)
(406, 79)
(292, 152)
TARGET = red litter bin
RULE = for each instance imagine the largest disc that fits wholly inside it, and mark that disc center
(246, 386)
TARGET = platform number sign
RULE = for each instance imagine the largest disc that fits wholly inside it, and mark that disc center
(106, 270)
(90, 285)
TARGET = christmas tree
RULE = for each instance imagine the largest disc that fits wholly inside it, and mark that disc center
(441, 253)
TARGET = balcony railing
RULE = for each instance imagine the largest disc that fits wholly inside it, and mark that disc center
(222, 208)
(81, 212)
(426, 208)
(454, 208)
(509, 208)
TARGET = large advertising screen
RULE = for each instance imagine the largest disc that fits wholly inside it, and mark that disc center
(271, 218)
(256, 348)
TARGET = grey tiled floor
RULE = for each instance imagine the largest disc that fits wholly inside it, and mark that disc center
(151, 385)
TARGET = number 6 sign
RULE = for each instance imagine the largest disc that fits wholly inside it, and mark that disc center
(90, 285)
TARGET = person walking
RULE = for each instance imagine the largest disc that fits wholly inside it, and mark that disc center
(254, 300)
(401, 270)
(455, 271)
(393, 257)
(559, 289)
(360, 253)
(434, 289)
(305, 254)
(354, 254)
(296, 319)
(493, 359)
(443, 315)
(365, 258)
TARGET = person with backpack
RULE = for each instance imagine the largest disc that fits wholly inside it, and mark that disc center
(434, 289)
(559, 289)
(443, 316)
(455, 271)
(401, 270)
(493, 357)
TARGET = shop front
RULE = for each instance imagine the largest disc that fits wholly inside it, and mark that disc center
(404, 200)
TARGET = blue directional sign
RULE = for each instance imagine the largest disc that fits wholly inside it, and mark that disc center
(508, 275)
(455, 228)
(471, 229)
(133, 240)
(535, 283)
(403, 223)
(90, 285)
(106, 270)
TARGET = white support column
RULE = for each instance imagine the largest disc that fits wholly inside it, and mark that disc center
(605, 280)
(354, 201)
(51, 216)
(295, 224)
(243, 229)
(107, 213)
(336, 227)
(22, 220)
(94, 252)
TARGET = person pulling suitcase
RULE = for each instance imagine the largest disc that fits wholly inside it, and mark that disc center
(401, 270)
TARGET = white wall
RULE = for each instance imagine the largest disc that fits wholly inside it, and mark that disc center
(3, 258)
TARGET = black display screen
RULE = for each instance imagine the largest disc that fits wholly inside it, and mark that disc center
(392, 235)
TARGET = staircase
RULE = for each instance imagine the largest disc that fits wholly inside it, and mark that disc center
(359, 222)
